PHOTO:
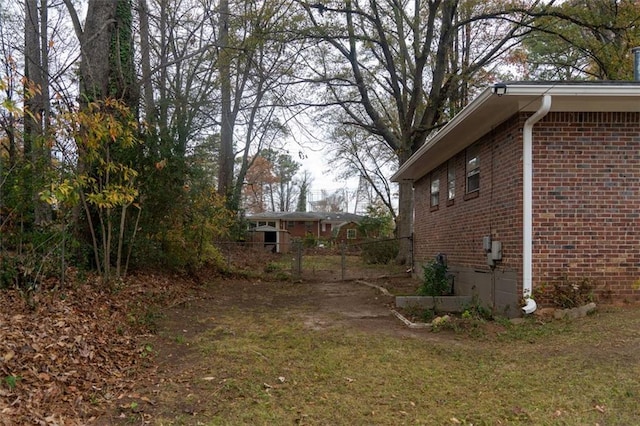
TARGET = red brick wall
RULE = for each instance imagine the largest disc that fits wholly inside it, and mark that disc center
(586, 203)
(457, 228)
(587, 206)
(300, 228)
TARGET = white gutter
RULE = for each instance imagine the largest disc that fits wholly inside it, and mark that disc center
(527, 203)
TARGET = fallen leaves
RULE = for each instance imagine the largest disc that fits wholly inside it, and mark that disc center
(63, 359)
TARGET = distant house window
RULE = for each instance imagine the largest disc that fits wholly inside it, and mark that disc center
(473, 168)
(308, 226)
(273, 224)
(262, 223)
(351, 234)
(324, 227)
(435, 191)
(451, 180)
(290, 224)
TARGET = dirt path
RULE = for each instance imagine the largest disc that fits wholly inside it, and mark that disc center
(317, 305)
(211, 352)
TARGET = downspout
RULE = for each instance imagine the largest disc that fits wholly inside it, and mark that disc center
(527, 203)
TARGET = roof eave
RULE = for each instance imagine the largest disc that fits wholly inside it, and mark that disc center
(490, 109)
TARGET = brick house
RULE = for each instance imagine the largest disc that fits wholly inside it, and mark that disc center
(319, 225)
(533, 184)
(347, 233)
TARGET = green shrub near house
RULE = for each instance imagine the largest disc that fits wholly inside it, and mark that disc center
(434, 280)
(380, 252)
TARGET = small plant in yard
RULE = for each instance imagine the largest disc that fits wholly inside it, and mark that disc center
(427, 315)
(567, 293)
(146, 350)
(417, 313)
(272, 267)
(476, 311)
(309, 240)
(434, 282)
(12, 381)
(445, 322)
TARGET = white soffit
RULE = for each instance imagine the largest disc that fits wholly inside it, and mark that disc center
(489, 110)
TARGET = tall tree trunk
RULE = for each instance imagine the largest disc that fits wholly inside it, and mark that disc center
(225, 169)
(95, 42)
(106, 71)
(145, 54)
(36, 107)
(163, 110)
(32, 64)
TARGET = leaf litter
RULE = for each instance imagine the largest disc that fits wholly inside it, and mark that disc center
(67, 354)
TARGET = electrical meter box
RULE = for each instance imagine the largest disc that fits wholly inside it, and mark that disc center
(486, 243)
(496, 250)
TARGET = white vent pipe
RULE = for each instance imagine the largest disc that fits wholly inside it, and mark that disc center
(527, 203)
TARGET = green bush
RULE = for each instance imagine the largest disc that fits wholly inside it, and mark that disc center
(379, 252)
(187, 252)
(309, 240)
(435, 281)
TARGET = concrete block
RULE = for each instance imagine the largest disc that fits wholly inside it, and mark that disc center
(443, 303)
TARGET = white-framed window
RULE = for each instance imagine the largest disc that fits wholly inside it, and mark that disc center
(435, 190)
(473, 169)
(451, 180)
(351, 234)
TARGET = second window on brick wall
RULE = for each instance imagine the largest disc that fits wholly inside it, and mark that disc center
(435, 191)
(451, 180)
(473, 169)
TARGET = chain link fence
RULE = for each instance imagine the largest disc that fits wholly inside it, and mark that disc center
(344, 261)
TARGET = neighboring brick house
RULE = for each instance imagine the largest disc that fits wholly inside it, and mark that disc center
(301, 224)
(347, 233)
(530, 184)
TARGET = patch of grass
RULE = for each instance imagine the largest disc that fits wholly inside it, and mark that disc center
(354, 265)
(533, 330)
(12, 381)
(146, 351)
(146, 318)
(266, 367)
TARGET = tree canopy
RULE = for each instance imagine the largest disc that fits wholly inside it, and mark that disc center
(163, 120)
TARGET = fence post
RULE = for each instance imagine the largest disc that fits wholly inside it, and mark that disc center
(343, 252)
(296, 266)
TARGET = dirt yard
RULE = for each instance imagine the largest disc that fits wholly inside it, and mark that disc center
(323, 302)
(173, 391)
(258, 348)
